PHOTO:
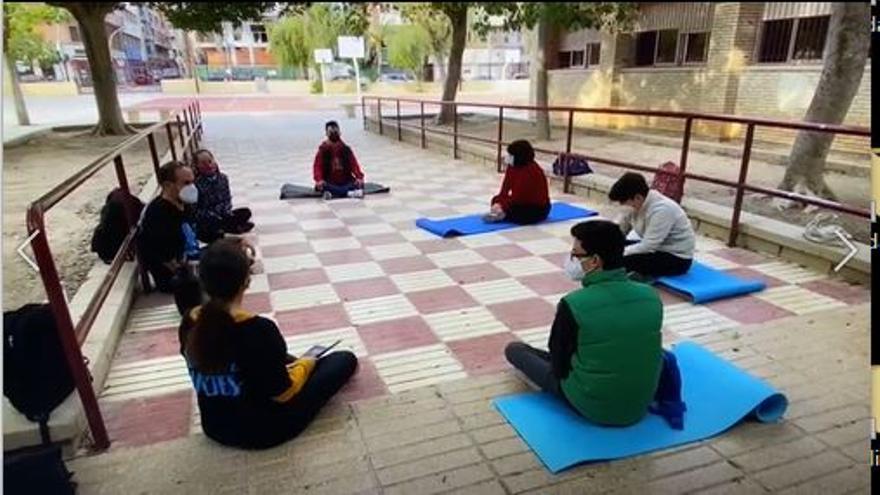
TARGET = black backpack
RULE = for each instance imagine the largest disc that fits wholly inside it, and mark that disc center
(36, 380)
(113, 226)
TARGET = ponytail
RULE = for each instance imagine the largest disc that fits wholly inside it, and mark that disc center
(209, 344)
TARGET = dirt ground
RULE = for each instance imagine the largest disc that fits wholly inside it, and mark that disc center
(853, 190)
(32, 169)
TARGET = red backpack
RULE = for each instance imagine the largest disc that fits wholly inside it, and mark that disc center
(668, 181)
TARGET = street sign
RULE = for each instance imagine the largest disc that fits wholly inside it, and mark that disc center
(323, 55)
(351, 46)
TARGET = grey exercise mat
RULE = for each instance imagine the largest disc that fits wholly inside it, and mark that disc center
(294, 191)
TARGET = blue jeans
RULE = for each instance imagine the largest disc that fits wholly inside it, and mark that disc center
(339, 191)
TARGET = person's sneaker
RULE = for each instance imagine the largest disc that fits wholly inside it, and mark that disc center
(356, 193)
(493, 217)
(327, 196)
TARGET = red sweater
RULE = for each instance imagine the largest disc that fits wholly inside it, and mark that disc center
(526, 185)
(337, 171)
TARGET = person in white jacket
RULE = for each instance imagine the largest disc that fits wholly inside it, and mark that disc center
(666, 245)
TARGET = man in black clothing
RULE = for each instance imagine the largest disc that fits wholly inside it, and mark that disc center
(161, 240)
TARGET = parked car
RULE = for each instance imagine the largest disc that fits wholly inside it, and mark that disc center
(396, 77)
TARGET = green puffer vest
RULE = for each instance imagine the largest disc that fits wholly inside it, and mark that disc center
(616, 367)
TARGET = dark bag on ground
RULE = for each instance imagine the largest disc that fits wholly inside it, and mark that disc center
(113, 226)
(187, 290)
(37, 469)
(36, 380)
(574, 164)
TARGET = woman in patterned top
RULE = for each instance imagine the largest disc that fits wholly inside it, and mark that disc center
(214, 215)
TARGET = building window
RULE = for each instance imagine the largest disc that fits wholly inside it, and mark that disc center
(74, 34)
(666, 47)
(258, 31)
(785, 40)
(577, 58)
(646, 46)
(593, 51)
(564, 60)
(810, 40)
(695, 47)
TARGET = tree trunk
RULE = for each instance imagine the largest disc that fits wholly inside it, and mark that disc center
(453, 73)
(542, 118)
(20, 107)
(845, 58)
(97, 47)
(193, 70)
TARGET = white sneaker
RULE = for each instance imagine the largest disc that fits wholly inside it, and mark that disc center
(493, 217)
(327, 196)
(356, 193)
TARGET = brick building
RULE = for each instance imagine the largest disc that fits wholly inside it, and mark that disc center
(751, 59)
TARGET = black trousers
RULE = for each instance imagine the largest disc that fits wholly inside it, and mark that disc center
(331, 373)
(234, 223)
(536, 365)
(656, 264)
(526, 214)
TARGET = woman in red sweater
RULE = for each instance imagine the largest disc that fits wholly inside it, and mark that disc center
(524, 198)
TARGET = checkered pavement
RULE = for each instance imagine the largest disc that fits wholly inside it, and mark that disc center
(416, 309)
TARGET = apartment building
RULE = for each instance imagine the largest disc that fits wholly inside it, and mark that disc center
(141, 47)
(752, 59)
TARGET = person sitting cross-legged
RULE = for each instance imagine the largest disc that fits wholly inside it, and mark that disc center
(524, 197)
(214, 215)
(336, 170)
(251, 393)
(667, 240)
(161, 240)
(605, 358)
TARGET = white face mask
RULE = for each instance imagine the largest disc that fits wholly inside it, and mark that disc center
(508, 160)
(574, 268)
(189, 194)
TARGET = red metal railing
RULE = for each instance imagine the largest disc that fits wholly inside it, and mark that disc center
(72, 337)
(741, 185)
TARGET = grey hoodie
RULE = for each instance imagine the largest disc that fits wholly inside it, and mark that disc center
(662, 226)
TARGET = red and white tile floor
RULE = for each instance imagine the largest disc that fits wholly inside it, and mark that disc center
(416, 309)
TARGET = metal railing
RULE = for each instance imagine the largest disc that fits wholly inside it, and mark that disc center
(188, 121)
(741, 185)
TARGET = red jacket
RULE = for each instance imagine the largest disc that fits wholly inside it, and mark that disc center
(338, 159)
(526, 185)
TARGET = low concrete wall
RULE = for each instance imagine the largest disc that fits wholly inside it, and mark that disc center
(61, 88)
(227, 87)
(757, 233)
(179, 86)
(300, 88)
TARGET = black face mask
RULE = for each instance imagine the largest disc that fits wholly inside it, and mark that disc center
(333, 136)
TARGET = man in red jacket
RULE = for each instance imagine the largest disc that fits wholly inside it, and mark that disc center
(336, 170)
(524, 197)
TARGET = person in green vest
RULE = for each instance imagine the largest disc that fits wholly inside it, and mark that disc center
(605, 356)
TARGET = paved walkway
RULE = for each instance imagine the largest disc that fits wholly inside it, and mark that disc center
(429, 319)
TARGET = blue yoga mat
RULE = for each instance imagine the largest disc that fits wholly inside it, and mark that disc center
(718, 395)
(704, 283)
(474, 224)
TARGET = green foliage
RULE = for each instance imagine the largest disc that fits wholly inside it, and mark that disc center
(21, 39)
(207, 17)
(289, 42)
(570, 16)
(437, 27)
(408, 46)
(294, 38)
